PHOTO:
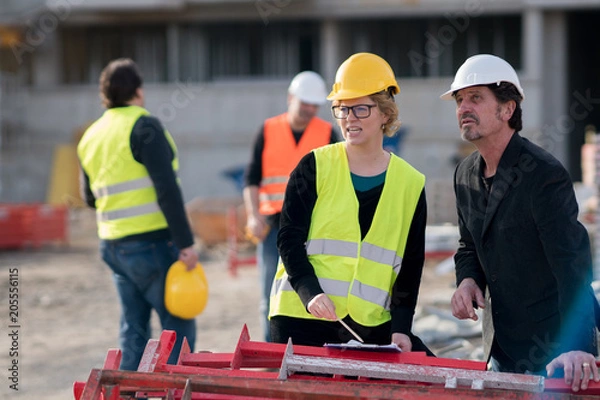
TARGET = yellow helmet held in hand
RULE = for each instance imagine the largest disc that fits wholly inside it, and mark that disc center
(186, 292)
(363, 74)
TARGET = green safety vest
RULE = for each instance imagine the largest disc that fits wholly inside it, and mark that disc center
(357, 275)
(126, 202)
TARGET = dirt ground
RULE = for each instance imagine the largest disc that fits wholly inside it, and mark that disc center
(68, 311)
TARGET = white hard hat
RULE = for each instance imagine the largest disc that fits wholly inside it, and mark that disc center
(483, 69)
(308, 87)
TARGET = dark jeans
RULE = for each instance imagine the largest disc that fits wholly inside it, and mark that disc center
(139, 270)
(267, 257)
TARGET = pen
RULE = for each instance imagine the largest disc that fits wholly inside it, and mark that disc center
(351, 331)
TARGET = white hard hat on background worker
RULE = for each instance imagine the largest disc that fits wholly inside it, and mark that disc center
(483, 69)
(308, 87)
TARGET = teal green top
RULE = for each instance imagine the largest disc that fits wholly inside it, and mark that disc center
(364, 183)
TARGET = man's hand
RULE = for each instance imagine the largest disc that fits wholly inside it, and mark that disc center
(579, 368)
(463, 298)
(256, 228)
(321, 306)
(401, 340)
(189, 257)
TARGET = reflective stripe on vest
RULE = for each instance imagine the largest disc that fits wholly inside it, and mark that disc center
(274, 179)
(123, 187)
(331, 247)
(126, 201)
(265, 197)
(371, 294)
(135, 211)
(340, 288)
(281, 154)
(381, 256)
(330, 286)
(140, 183)
(366, 269)
(349, 249)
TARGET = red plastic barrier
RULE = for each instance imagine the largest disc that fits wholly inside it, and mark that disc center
(23, 225)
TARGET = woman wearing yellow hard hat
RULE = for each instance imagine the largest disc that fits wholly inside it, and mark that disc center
(352, 237)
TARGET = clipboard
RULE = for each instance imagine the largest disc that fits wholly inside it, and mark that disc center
(356, 345)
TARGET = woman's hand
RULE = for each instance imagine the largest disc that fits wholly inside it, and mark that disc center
(321, 306)
(401, 340)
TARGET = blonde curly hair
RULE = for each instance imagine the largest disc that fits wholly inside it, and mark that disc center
(386, 104)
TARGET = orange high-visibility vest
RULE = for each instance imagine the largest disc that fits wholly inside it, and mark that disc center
(281, 154)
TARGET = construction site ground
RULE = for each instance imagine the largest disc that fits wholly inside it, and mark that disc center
(68, 311)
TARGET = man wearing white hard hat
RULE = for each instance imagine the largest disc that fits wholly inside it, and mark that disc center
(280, 143)
(520, 239)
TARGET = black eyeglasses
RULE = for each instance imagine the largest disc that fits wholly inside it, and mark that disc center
(360, 111)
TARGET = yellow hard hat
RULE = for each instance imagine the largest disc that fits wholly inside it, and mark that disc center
(363, 74)
(186, 292)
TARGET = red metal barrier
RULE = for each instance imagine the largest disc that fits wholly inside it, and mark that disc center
(241, 375)
(23, 225)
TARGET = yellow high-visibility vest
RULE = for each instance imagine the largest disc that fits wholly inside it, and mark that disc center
(126, 201)
(358, 275)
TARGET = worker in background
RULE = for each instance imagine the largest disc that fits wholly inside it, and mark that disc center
(129, 164)
(352, 236)
(279, 145)
(519, 235)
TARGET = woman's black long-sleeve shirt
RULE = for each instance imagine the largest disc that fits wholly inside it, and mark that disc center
(300, 199)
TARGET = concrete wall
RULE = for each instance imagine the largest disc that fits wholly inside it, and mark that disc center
(214, 123)
(214, 126)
